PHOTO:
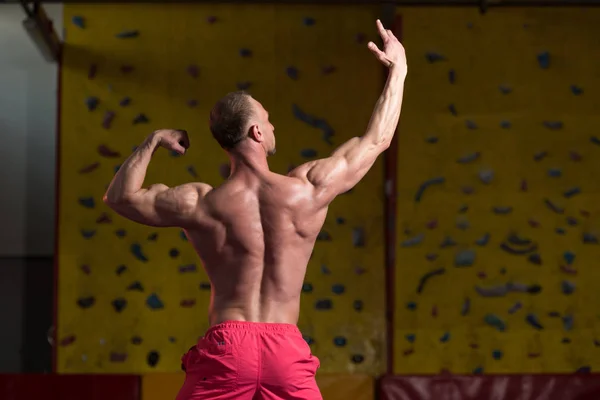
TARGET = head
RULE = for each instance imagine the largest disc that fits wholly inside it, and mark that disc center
(239, 120)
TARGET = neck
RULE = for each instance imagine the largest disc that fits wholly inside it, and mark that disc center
(248, 158)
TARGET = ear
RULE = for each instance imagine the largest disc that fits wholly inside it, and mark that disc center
(255, 134)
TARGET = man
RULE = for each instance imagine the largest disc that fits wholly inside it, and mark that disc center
(255, 234)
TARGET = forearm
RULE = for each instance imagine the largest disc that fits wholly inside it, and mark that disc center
(386, 114)
(130, 177)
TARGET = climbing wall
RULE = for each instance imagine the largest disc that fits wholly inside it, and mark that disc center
(498, 205)
(134, 299)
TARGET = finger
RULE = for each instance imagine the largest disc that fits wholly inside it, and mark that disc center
(375, 50)
(381, 30)
(391, 34)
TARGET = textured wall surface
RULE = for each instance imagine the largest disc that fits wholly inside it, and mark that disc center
(133, 299)
(498, 192)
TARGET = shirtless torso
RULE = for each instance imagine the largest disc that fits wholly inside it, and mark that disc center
(255, 234)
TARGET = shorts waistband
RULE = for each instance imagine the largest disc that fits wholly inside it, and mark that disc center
(254, 327)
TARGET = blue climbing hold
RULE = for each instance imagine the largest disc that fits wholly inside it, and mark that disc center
(569, 257)
(464, 258)
(432, 57)
(358, 237)
(467, 158)
(466, 307)
(92, 103)
(568, 322)
(308, 21)
(324, 304)
(87, 202)
(470, 124)
(567, 287)
(452, 76)
(411, 305)
(497, 354)
(413, 241)
(187, 268)
(136, 250)
(486, 176)
(544, 60)
(498, 210)
(340, 220)
(192, 171)
(533, 320)
(452, 109)
(154, 302)
(505, 89)
(478, 371)
(78, 21)
(339, 341)
(309, 340)
(327, 131)
(308, 153)
(595, 140)
(589, 238)
(495, 321)
(555, 172)
(571, 192)
(307, 287)
(431, 139)
(125, 101)
(445, 337)
(292, 72)
(325, 269)
(88, 233)
(410, 337)
(505, 124)
(357, 305)
(338, 288)
(576, 90)
(434, 181)
(482, 241)
(447, 242)
(173, 253)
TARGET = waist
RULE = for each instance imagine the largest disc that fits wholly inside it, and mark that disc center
(254, 327)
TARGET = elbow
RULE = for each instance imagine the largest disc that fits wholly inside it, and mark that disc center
(114, 201)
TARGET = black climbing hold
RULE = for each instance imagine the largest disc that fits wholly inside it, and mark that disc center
(245, 53)
(87, 202)
(245, 85)
(504, 124)
(340, 221)
(187, 268)
(339, 341)
(153, 358)
(88, 233)
(307, 287)
(172, 339)
(92, 103)
(327, 131)
(452, 76)
(119, 304)
(470, 124)
(431, 139)
(357, 359)
(428, 276)
(121, 269)
(153, 236)
(173, 253)
(338, 288)
(308, 21)
(445, 337)
(308, 153)
(121, 233)
(505, 89)
(534, 289)
(125, 101)
(86, 302)
(128, 34)
(432, 57)
(205, 286)
(140, 119)
(324, 304)
(434, 181)
(571, 192)
(324, 236)
(78, 21)
(86, 269)
(309, 340)
(576, 90)
(589, 238)
(357, 305)
(154, 302)
(466, 307)
(532, 320)
(452, 109)
(497, 354)
(358, 237)
(535, 258)
(544, 60)
(136, 286)
(183, 236)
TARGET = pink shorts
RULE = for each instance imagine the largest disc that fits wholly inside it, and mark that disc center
(250, 361)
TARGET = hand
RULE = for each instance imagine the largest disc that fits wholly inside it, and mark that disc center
(173, 139)
(393, 53)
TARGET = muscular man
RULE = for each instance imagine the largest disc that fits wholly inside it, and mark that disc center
(255, 234)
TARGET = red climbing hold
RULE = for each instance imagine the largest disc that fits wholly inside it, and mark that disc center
(107, 152)
(89, 168)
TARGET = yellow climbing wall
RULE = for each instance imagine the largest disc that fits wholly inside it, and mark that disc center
(526, 98)
(312, 57)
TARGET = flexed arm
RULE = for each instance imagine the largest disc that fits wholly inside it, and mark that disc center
(158, 205)
(351, 161)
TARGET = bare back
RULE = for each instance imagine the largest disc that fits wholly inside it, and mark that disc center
(255, 236)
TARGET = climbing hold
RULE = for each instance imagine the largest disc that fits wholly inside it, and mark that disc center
(411, 305)
(308, 21)
(431, 256)
(108, 118)
(544, 60)
(173, 253)
(78, 21)
(515, 307)
(339, 341)
(119, 304)
(432, 224)
(568, 269)
(431, 139)
(328, 69)
(120, 269)
(192, 171)
(211, 19)
(462, 223)
(308, 153)
(324, 236)
(505, 89)
(584, 213)
(432, 57)
(569, 257)
(410, 337)
(357, 358)
(205, 286)
(187, 268)
(136, 250)
(89, 168)
(358, 237)
(117, 357)
(86, 269)
(193, 71)
(466, 307)
(533, 320)
(595, 140)
(244, 85)
(128, 34)
(470, 124)
(567, 287)
(360, 37)
(434, 181)
(91, 103)
(292, 72)
(87, 202)
(553, 206)
(452, 76)
(445, 337)
(539, 156)
(469, 158)
(463, 209)
(105, 151)
(533, 223)
(92, 71)
(413, 241)
(153, 358)
(86, 302)
(504, 124)
(502, 210)
(357, 305)
(307, 287)
(478, 371)
(187, 303)
(553, 125)
(574, 156)
(555, 172)
(576, 90)
(497, 354)
(571, 192)
(568, 322)
(486, 176)
(154, 302)
(561, 231)
(316, 122)
(140, 119)
(68, 340)
(494, 321)
(584, 370)
(340, 220)
(338, 288)
(452, 109)
(192, 103)
(524, 187)
(447, 242)
(482, 241)
(125, 101)
(309, 340)
(245, 53)
(103, 218)
(172, 339)
(535, 258)
(88, 234)
(125, 69)
(492, 291)
(324, 304)
(464, 258)
(136, 285)
(428, 276)
(589, 238)
(325, 269)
